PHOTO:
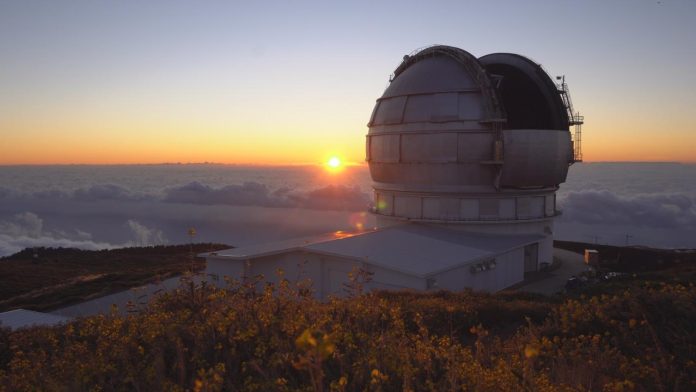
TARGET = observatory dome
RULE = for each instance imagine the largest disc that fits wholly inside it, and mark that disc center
(466, 156)
(458, 139)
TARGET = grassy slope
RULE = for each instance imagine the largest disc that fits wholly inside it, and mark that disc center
(637, 338)
(59, 277)
(635, 335)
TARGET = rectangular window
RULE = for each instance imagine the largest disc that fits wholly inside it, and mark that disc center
(469, 209)
(390, 111)
(441, 208)
(475, 147)
(432, 108)
(507, 208)
(489, 208)
(470, 106)
(431, 208)
(408, 206)
(550, 205)
(449, 209)
(530, 207)
(434, 147)
(384, 148)
(444, 107)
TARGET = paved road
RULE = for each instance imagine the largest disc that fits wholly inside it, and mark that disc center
(137, 295)
(571, 264)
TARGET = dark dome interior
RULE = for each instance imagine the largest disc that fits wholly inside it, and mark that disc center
(530, 98)
(524, 104)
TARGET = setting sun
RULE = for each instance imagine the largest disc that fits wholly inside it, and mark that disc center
(334, 162)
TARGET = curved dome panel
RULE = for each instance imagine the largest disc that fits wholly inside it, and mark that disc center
(430, 75)
(535, 157)
(433, 125)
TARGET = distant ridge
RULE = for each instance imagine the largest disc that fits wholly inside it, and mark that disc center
(643, 162)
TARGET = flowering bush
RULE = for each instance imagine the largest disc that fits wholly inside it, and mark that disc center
(207, 339)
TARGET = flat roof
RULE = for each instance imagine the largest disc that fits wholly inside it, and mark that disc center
(422, 250)
(20, 318)
(412, 248)
(271, 248)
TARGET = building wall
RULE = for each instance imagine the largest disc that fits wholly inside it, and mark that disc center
(546, 248)
(224, 267)
(329, 274)
(432, 206)
(386, 279)
(542, 227)
(509, 271)
(296, 266)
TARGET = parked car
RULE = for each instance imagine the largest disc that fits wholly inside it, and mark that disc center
(612, 275)
(574, 283)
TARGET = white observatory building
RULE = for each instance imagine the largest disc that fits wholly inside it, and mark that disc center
(466, 156)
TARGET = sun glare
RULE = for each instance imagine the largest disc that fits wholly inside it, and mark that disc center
(334, 163)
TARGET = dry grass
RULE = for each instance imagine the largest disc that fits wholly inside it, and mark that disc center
(60, 277)
(207, 339)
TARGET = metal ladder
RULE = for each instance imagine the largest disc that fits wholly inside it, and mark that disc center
(574, 119)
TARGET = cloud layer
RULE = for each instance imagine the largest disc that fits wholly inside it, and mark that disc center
(670, 211)
(330, 197)
(108, 215)
(26, 230)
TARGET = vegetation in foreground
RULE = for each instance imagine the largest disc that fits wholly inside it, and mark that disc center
(207, 339)
(44, 279)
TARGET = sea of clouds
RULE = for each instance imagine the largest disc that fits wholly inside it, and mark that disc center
(605, 204)
(658, 220)
(110, 216)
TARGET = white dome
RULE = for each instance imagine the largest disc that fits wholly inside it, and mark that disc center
(441, 145)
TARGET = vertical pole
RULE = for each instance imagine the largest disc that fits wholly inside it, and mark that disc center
(191, 233)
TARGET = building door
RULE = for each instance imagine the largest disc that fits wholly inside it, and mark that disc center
(531, 257)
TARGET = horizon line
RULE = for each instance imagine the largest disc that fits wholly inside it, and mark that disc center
(348, 164)
(270, 164)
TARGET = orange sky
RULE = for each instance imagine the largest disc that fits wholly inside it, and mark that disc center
(150, 147)
(122, 83)
(90, 141)
(151, 144)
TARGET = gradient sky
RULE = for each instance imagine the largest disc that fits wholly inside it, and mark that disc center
(295, 82)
